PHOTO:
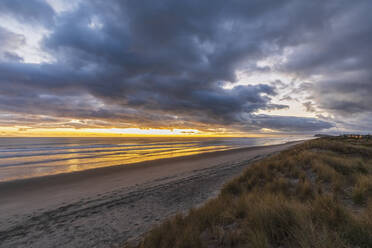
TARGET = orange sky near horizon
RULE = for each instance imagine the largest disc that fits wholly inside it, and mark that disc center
(118, 132)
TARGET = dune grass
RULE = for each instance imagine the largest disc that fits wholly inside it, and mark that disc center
(317, 194)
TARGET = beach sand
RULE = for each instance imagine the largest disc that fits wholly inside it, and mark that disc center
(107, 207)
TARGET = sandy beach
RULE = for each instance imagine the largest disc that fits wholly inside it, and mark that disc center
(107, 207)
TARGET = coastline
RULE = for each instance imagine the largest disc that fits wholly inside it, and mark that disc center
(85, 198)
(74, 176)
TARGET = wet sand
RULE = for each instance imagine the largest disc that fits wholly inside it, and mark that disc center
(106, 207)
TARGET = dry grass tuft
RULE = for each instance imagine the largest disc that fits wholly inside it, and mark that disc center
(317, 194)
(363, 189)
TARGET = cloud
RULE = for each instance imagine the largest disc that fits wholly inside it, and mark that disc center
(10, 41)
(165, 63)
(30, 11)
(340, 56)
(289, 123)
(309, 106)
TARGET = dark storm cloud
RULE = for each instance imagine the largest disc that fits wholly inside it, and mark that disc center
(342, 55)
(10, 41)
(347, 95)
(144, 61)
(288, 123)
(34, 11)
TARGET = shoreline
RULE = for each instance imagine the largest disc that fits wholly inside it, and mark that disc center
(115, 168)
(119, 201)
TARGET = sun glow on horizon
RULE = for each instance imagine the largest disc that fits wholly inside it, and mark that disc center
(116, 132)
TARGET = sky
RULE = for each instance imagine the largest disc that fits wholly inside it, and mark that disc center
(185, 67)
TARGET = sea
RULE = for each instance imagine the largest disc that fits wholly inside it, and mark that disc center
(22, 158)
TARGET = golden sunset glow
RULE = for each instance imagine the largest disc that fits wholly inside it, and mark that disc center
(55, 132)
(119, 132)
